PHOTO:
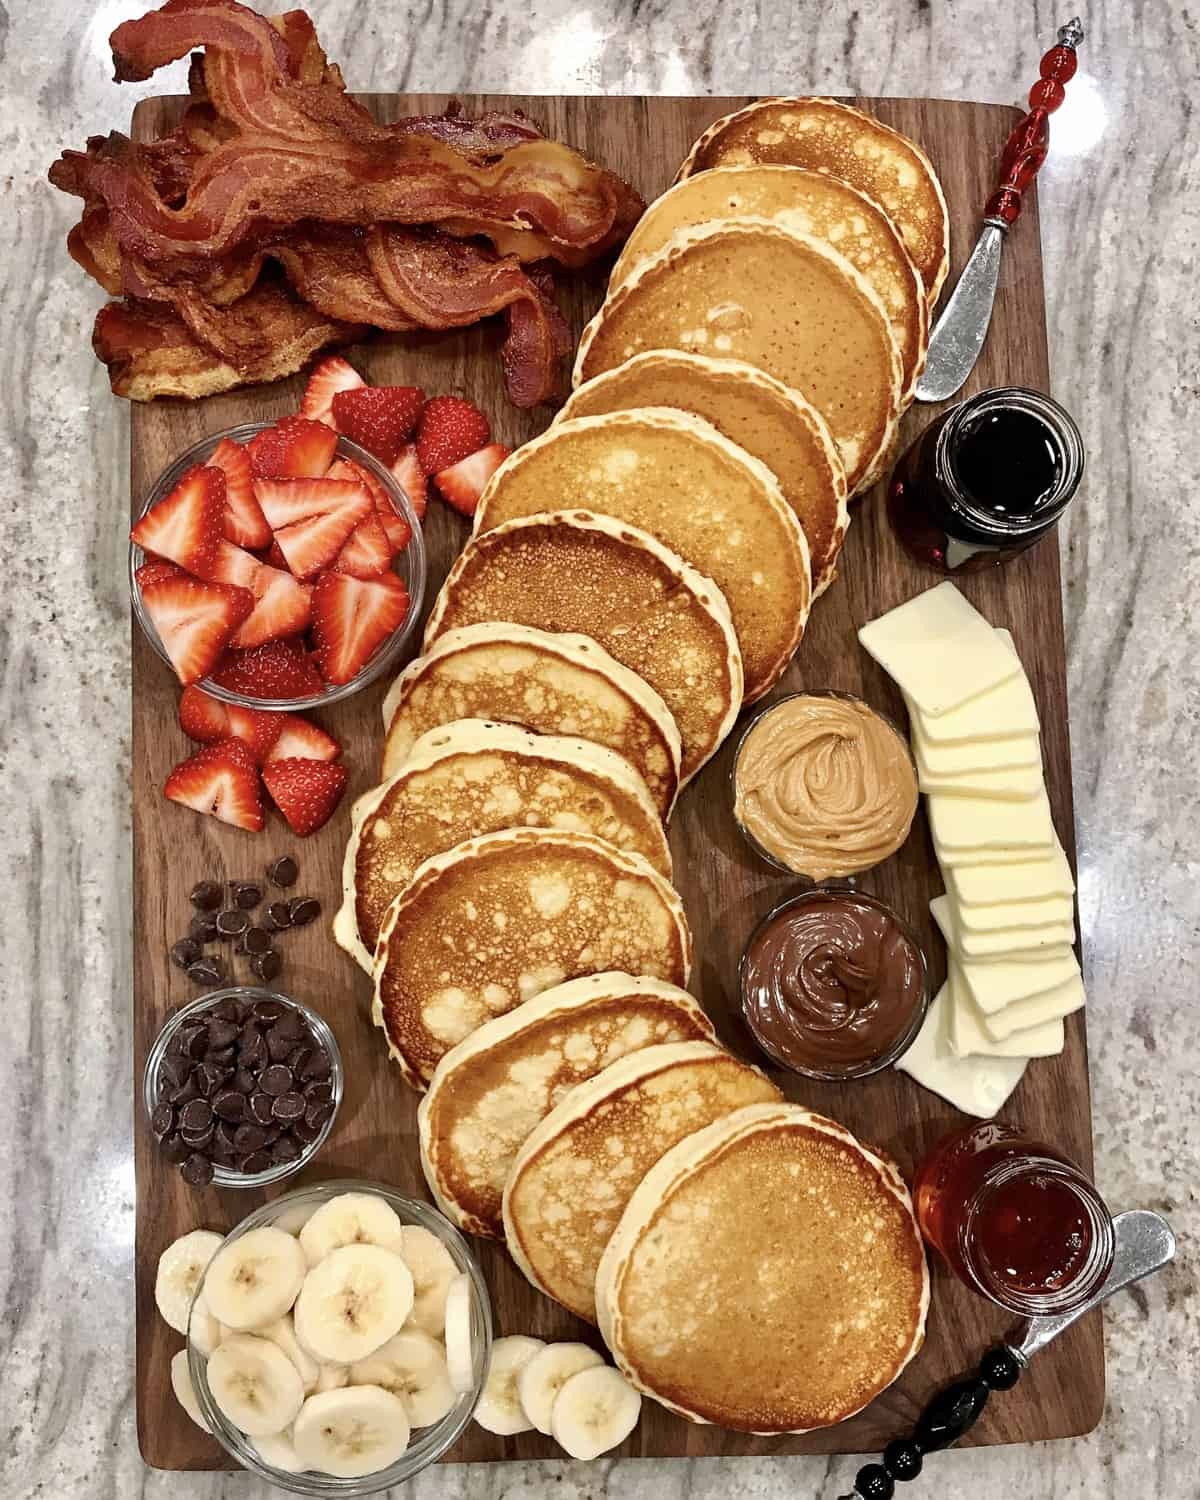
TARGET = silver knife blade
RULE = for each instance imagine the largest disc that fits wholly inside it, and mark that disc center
(959, 333)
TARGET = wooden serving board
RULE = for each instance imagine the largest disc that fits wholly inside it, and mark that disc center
(724, 887)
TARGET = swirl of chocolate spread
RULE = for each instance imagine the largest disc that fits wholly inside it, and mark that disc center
(832, 982)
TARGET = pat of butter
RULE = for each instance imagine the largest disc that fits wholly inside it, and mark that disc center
(990, 885)
(939, 649)
(969, 1037)
(966, 824)
(957, 758)
(976, 1085)
(1009, 943)
(959, 859)
(1009, 784)
(1053, 1005)
(1054, 911)
(1006, 982)
(1001, 713)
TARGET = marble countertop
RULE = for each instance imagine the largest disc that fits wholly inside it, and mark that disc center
(1120, 225)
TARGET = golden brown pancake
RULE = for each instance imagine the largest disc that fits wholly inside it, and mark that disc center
(772, 422)
(489, 1092)
(826, 135)
(767, 1275)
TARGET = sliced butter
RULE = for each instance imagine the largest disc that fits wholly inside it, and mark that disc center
(969, 824)
(939, 649)
(993, 985)
(968, 1036)
(1053, 911)
(1001, 713)
(1009, 784)
(976, 1085)
(990, 885)
(1052, 1005)
(1027, 942)
(957, 758)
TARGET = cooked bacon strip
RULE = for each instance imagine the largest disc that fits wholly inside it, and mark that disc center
(92, 245)
(141, 46)
(328, 267)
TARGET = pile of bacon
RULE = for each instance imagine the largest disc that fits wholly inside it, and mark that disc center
(279, 217)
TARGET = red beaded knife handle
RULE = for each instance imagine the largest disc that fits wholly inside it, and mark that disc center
(1025, 149)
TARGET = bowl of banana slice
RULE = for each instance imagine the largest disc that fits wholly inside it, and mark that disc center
(338, 1340)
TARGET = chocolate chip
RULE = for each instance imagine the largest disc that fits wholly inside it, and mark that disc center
(303, 910)
(196, 1115)
(175, 1070)
(272, 1133)
(279, 916)
(283, 871)
(203, 927)
(230, 1010)
(222, 1156)
(206, 971)
(206, 896)
(316, 1114)
(245, 895)
(197, 1170)
(318, 1065)
(297, 1059)
(255, 940)
(268, 1011)
(230, 1105)
(291, 1024)
(289, 1106)
(185, 952)
(262, 1107)
(185, 1093)
(197, 1140)
(242, 1080)
(232, 923)
(278, 1045)
(209, 1077)
(249, 1138)
(267, 965)
(195, 1044)
(175, 1149)
(319, 1092)
(162, 1121)
(253, 1048)
(257, 1161)
(224, 1058)
(276, 1080)
(221, 1033)
(286, 1149)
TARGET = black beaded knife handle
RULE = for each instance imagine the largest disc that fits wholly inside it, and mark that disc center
(1145, 1244)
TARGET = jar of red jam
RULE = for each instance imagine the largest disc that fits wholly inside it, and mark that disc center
(986, 480)
(1014, 1218)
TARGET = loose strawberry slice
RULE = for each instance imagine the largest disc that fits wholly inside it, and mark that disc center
(330, 376)
(450, 429)
(411, 478)
(154, 572)
(294, 448)
(367, 552)
(301, 740)
(222, 781)
(380, 418)
(283, 607)
(280, 669)
(286, 501)
(243, 521)
(463, 483)
(185, 527)
(395, 527)
(305, 791)
(352, 617)
(195, 621)
(202, 718)
(257, 729)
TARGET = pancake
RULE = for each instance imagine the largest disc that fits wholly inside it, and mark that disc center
(575, 571)
(678, 478)
(814, 203)
(576, 1171)
(551, 684)
(489, 1092)
(749, 289)
(497, 920)
(769, 420)
(829, 136)
(767, 1275)
(474, 777)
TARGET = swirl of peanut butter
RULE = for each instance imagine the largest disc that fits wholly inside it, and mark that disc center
(825, 785)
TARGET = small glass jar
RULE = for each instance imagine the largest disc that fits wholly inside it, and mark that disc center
(430, 1443)
(226, 1177)
(1014, 1219)
(986, 480)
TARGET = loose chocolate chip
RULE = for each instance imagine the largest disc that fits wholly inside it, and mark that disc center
(256, 940)
(283, 871)
(242, 1080)
(261, 1107)
(257, 1161)
(268, 1011)
(279, 916)
(185, 1093)
(197, 1170)
(289, 1106)
(285, 1149)
(319, 1092)
(276, 1080)
(316, 1114)
(303, 910)
(249, 1138)
(206, 896)
(206, 971)
(203, 927)
(185, 953)
(230, 1105)
(232, 923)
(195, 1115)
(162, 1121)
(175, 1148)
(245, 895)
(318, 1065)
(267, 965)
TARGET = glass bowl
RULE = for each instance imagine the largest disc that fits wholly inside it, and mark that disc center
(250, 994)
(429, 1442)
(410, 566)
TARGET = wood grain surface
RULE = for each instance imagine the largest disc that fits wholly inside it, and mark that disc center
(725, 888)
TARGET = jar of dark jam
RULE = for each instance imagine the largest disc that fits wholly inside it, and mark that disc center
(1014, 1218)
(986, 480)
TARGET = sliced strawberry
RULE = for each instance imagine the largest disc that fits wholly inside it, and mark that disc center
(312, 546)
(202, 718)
(294, 448)
(257, 729)
(450, 429)
(243, 521)
(195, 621)
(463, 483)
(283, 607)
(352, 617)
(280, 669)
(274, 557)
(379, 418)
(301, 740)
(222, 781)
(286, 501)
(330, 376)
(305, 791)
(395, 527)
(155, 572)
(411, 478)
(367, 552)
(185, 527)
(234, 565)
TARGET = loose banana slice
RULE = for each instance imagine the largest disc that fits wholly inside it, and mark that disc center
(594, 1411)
(254, 1280)
(350, 1219)
(333, 1377)
(283, 1333)
(352, 1432)
(500, 1408)
(433, 1269)
(185, 1391)
(540, 1381)
(460, 1351)
(180, 1267)
(412, 1366)
(280, 1452)
(255, 1384)
(292, 1220)
(353, 1301)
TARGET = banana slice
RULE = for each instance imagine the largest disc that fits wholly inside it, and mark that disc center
(185, 1391)
(255, 1384)
(292, 1220)
(280, 1452)
(254, 1280)
(351, 1433)
(433, 1270)
(353, 1301)
(283, 1334)
(412, 1366)
(460, 1351)
(540, 1381)
(350, 1219)
(500, 1408)
(594, 1411)
(180, 1268)
(333, 1377)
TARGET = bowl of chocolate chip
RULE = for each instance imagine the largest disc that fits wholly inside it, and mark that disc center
(242, 1087)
